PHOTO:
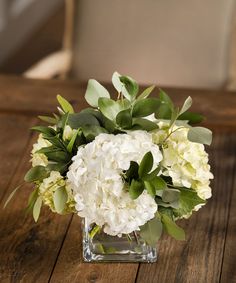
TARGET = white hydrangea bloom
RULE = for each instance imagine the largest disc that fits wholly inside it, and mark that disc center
(50, 185)
(97, 184)
(39, 158)
(186, 162)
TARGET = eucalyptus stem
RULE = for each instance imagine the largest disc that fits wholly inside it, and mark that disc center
(94, 231)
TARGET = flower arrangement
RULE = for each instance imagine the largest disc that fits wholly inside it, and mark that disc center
(131, 165)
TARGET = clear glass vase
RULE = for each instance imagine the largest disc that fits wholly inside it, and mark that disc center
(127, 248)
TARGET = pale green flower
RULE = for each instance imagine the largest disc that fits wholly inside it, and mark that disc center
(39, 158)
(50, 185)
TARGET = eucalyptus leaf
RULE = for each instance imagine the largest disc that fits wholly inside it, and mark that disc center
(32, 199)
(37, 173)
(94, 91)
(109, 107)
(193, 118)
(65, 105)
(77, 120)
(145, 164)
(60, 197)
(164, 97)
(187, 104)
(188, 199)
(170, 195)
(91, 131)
(136, 188)
(146, 92)
(72, 142)
(37, 208)
(164, 112)
(159, 183)
(145, 107)
(48, 131)
(200, 135)
(131, 87)
(171, 228)
(144, 124)
(150, 188)
(151, 231)
(124, 119)
(132, 172)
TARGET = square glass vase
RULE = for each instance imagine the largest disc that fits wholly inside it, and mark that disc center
(101, 247)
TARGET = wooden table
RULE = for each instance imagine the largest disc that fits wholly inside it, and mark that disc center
(50, 250)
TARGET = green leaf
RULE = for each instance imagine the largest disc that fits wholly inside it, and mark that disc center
(144, 124)
(94, 91)
(200, 135)
(32, 199)
(166, 99)
(153, 174)
(187, 104)
(65, 105)
(37, 208)
(37, 173)
(193, 118)
(145, 107)
(188, 199)
(131, 86)
(132, 172)
(171, 228)
(78, 120)
(170, 195)
(59, 199)
(136, 189)
(158, 183)
(109, 107)
(146, 92)
(60, 167)
(150, 188)
(118, 85)
(151, 231)
(11, 195)
(72, 142)
(44, 130)
(91, 131)
(163, 112)
(48, 119)
(146, 164)
(124, 119)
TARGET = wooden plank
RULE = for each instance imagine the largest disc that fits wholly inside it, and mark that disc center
(38, 96)
(229, 265)
(14, 134)
(28, 250)
(199, 259)
(71, 268)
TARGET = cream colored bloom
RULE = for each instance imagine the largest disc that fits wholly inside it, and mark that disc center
(50, 185)
(68, 132)
(185, 162)
(39, 158)
(96, 179)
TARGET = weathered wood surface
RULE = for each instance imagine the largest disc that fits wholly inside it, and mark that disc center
(50, 251)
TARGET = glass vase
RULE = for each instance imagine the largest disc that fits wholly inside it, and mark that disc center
(101, 247)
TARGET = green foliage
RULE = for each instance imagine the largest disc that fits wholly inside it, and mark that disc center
(59, 199)
(37, 208)
(65, 105)
(200, 135)
(78, 120)
(145, 107)
(145, 165)
(188, 199)
(144, 124)
(124, 119)
(136, 188)
(192, 118)
(151, 231)
(146, 92)
(48, 119)
(131, 87)
(94, 91)
(91, 131)
(12, 195)
(37, 173)
(171, 228)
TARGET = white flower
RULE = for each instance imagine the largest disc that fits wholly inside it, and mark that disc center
(97, 184)
(50, 185)
(39, 158)
(68, 132)
(186, 162)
